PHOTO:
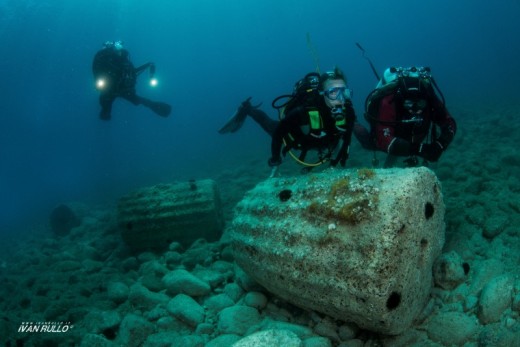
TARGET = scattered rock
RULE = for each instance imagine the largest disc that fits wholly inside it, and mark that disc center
(188, 340)
(205, 329)
(134, 331)
(143, 298)
(102, 322)
(347, 331)
(181, 281)
(470, 303)
(495, 224)
(256, 300)
(237, 319)
(234, 291)
(516, 303)
(317, 341)
(186, 309)
(67, 265)
(452, 328)
(270, 338)
(217, 303)
(95, 340)
(450, 270)
(162, 339)
(327, 329)
(495, 298)
(213, 278)
(117, 292)
(225, 340)
(303, 332)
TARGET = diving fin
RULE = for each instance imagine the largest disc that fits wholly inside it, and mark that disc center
(237, 120)
(160, 108)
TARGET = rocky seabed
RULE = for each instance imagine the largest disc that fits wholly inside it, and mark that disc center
(199, 297)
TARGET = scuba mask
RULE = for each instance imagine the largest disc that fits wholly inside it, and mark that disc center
(118, 45)
(416, 109)
(414, 106)
(337, 93)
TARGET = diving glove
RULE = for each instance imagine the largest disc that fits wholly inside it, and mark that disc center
(431, 151)
(274, 161)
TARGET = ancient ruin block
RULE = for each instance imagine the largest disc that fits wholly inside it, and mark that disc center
(153, 217)
(357, 245)
(62, 219)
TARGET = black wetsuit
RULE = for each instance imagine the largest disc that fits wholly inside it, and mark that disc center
(120, 77)
(391, 133)
(297, 123)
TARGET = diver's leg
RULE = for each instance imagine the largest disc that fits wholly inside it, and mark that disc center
(134, 98)
(237, 119)
(269, 125)
(160, 108)
(246, 109)
(106, 100)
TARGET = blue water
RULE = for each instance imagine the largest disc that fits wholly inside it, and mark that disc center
(210, 55)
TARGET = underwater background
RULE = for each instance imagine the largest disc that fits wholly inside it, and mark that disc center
(210, 56)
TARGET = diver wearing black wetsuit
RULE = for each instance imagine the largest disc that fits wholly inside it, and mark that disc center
(324, 125)
(116, 77)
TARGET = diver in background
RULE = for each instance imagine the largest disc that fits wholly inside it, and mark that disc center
(116, 76)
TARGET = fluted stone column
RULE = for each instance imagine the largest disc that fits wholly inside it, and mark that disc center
(153, 217)
(357, 245)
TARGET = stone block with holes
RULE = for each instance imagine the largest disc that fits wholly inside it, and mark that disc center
(357, 245)
(153, 217)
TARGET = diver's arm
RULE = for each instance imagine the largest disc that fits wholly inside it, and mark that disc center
(144, 67)
(290, 124)
(446, 123)
(102, 62)
(277, 140)
(401, 147)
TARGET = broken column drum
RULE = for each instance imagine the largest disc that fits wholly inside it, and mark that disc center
(153, 217)
(357, 245)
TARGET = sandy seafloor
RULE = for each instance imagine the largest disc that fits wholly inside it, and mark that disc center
(105, 296)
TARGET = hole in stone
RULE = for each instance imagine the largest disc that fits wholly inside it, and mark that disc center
(285, 195)
(465, 266)
(25, 303)
(109, 333)
(424, 243)
(129, 225)
(394, 300)
(428, 210)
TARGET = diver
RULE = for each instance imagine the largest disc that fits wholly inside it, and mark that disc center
(404, 112)
(116, 76)
(318, 116)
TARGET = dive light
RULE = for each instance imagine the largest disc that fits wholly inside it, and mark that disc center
(153, 80)
(101, 83)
